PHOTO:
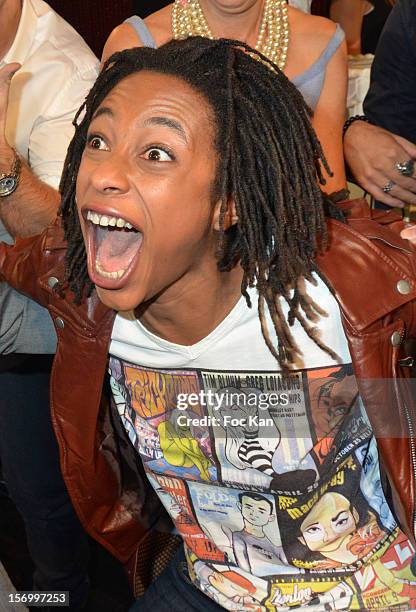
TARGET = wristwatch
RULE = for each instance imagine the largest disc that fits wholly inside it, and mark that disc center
(10, 181)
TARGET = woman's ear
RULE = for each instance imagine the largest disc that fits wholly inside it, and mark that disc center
(230, 217)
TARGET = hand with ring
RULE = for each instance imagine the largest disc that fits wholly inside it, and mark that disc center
(406, 168)
(388, 186)
(382, 163)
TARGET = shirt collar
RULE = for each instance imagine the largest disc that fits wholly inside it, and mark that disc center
(22, 44)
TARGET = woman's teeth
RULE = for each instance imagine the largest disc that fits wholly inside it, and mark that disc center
(115, 243)
(105, 221)
(102, 272)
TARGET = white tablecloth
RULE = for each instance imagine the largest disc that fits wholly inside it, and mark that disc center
(359, 69)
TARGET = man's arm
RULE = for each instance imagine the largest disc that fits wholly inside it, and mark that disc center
(371, 151)
(34, 204)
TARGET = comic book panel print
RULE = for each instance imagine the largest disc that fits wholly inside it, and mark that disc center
(388, 581)
(333, 527)
(370, 483)
(261, 429)
(147, 403)
(173, 494)
(244, 527)
(336, 412)
(311, 595)
(302, 522)
(119, 400)
(227, 585)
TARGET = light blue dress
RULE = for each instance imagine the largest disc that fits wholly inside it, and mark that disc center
(310, 83)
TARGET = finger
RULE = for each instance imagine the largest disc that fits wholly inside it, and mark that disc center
(373, 188)
(407, 183)
(7, 72)
(408, 146)
(404, 195)
(403, 176)
(404, 187)
(409, 233)
(385, 198)
(400, 190)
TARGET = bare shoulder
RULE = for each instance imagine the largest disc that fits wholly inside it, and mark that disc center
(309, 36)
(122, 37)
(160, 24)
(310, 30)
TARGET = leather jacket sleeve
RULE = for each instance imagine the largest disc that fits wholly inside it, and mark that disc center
(23, 264)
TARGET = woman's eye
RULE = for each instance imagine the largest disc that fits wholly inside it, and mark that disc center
(158, 155)
(97, 143)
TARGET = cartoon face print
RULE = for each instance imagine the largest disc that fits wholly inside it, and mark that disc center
(256, 510)
(328, 527)
(332, 398)
(247, 444)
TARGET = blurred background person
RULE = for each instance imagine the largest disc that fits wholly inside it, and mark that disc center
(145, 8)
(311, 51)
(375, 16)
(361, 20)
(349, 14)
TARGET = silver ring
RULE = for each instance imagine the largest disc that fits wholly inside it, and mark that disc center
(406, 168)
(387, 188)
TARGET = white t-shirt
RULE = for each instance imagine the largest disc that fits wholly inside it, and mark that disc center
(272, 481)
(235, 340)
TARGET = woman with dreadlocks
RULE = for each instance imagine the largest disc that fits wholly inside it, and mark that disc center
(191, 209)
(309, 49)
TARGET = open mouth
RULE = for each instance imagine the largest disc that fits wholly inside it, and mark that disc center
(113, 245)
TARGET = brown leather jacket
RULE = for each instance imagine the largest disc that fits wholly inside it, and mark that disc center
(372, 271)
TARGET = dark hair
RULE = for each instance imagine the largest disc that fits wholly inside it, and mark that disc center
(256, 497)
(269, 162)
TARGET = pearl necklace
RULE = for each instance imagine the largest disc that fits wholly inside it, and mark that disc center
(188, 19)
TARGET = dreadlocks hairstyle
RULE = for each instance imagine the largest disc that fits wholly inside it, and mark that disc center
(269, 162)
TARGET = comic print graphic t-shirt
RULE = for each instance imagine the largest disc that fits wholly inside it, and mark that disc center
(272, 481)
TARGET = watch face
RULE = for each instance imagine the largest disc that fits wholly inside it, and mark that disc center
(7, 185)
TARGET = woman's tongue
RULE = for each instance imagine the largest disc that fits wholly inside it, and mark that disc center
(115, 248)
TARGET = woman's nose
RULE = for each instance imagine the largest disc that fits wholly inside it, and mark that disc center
(110, 175)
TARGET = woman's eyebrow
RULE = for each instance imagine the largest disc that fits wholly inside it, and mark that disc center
(169, 123)
(103, 110)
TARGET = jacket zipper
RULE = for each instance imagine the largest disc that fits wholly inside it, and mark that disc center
(412, 449)
(394, 246)
(413, 453)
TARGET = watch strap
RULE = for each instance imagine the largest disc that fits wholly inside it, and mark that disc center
(16, 167)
